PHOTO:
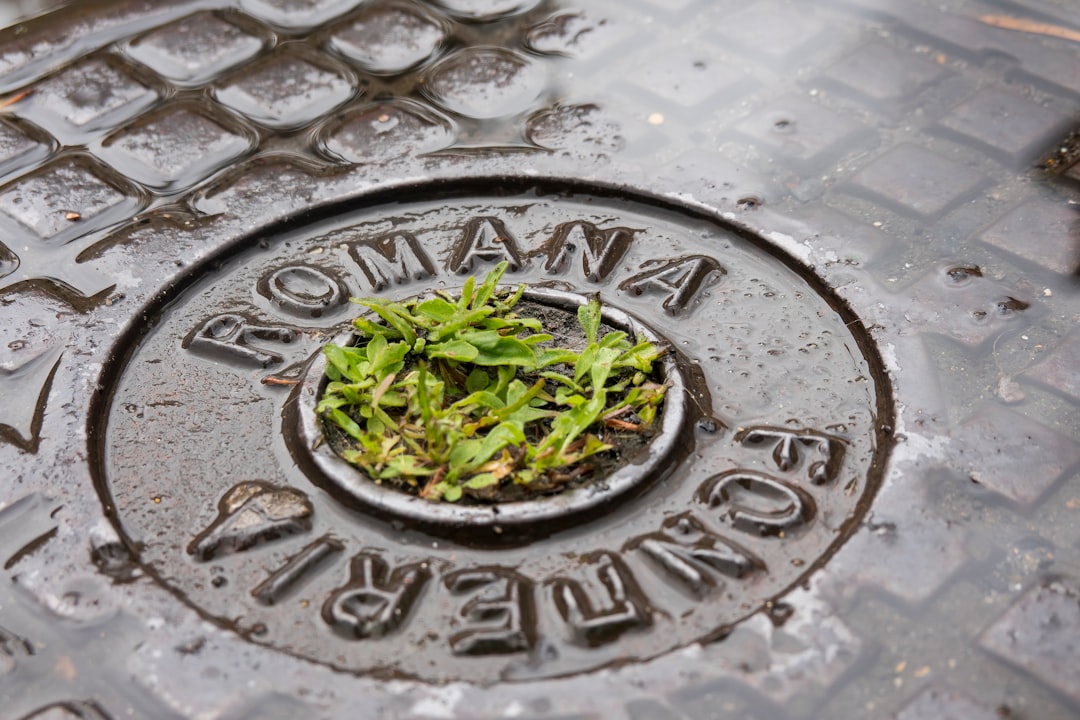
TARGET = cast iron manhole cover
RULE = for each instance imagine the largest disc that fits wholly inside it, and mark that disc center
(206, 471)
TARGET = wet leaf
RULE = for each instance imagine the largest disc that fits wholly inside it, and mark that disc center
(478, 380)
(589, 318)
(458, 350)
(494, 349)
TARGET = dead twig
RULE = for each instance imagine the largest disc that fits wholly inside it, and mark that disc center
(1031, 26)
(18, 97)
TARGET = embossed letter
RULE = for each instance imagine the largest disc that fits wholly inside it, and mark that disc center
(827, 452)
(391, 259)
(600, 250)
(679, 279)
(499, 611)
(250, 514)
(624, 608)
(230, 336)
(302, 291)
(692, 555)
(485, 240)
(12, 647)
(292, 573)
(779, 507)
(375, 601)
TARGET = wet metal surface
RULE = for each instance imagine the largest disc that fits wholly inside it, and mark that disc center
(857, 208)
(759, 482)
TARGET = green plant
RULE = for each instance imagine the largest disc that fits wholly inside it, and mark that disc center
(462, 396)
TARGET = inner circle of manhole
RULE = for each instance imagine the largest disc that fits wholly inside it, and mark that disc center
(209, 477)
(635, 458)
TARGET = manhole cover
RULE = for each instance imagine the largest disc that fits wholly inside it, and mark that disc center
(206, 470)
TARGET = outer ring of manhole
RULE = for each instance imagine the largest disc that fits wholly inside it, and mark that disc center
(493, 520)
(761, 499)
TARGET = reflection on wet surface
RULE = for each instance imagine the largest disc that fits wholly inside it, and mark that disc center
(920, 157)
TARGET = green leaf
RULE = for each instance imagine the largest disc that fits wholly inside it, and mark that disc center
(589, 318)
(467, 293)
(527, 323)
(487, 288)
(480, 398)
(406, 465)
(640, 357)
(394, 317)
(375, 426)
(345, 361)
(375, 348)
(494, 349)
(437, 309)
(502, 435)
(601, 368)
(593, 445)
(584, 362)
(562, 380)
(615, 339)
(346, 423)
(372, 329)
(478, 380)
(460, 320)
(451, 493)
(568, 425)
(422, 396)
(511, 300)
(518, 397)
(481, 481)
(549, 356)
(535, 338)
(458, 350)
(462, 453)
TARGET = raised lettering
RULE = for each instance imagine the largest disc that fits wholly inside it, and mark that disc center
(71, 710)
(299, 567)
(391, 260)
(758, 503)
(376, 601)
(695, 557)
(250, 514)
(302, 290)
(231, 336)
(12, 647)
(600, 250)
(485, 240)
(822, 453)
(680, 279)
(499, 613)
(623, 608)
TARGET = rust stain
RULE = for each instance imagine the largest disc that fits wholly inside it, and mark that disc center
(1031, 26)
(65, 668)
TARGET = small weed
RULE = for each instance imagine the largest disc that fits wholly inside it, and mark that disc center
(449, 397)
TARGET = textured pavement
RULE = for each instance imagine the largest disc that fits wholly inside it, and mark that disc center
(919, 159)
